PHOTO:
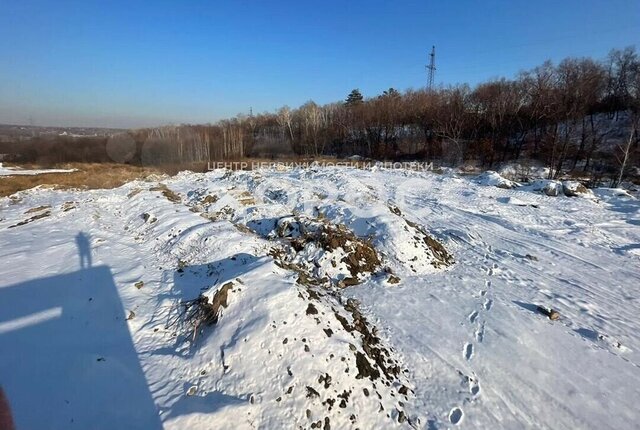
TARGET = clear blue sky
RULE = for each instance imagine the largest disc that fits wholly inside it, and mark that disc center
(127, 63)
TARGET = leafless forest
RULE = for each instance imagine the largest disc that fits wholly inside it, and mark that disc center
(580, 116)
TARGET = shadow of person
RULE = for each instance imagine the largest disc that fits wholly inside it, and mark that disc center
(84, 250)
(69, 351)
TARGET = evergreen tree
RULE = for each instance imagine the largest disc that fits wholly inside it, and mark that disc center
(391, 93)
(354, 98)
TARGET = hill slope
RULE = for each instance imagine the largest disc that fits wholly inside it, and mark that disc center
(335, 299)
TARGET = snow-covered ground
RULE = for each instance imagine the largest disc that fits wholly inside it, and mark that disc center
(14, 171)
(413, 335)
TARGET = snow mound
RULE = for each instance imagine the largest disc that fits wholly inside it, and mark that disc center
(322, 249)
(515, 201)
(609, 193)
(576, 189)
(522, 172)
(290, 354)
(548, 187)
(491, 178)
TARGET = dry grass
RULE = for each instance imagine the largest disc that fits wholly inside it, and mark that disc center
(88, 176)
(112, 175)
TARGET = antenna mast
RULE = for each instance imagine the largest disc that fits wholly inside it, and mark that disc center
(431, 68)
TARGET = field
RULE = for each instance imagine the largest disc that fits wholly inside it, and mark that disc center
(323, 298)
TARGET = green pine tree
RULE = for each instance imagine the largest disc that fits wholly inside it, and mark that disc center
(391, 93)
(354, 98)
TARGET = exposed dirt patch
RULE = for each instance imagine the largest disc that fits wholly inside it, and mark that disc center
(395, 210)
(393, 279)
(209, 199)
(67, 206)
(193, 315)
(33, 218)
(372, 347)
(134, 192)
(37, 209)
(167, 193)
(226, 212)
(311, 309)
(303, 234)
(442, 256)
(246, 198)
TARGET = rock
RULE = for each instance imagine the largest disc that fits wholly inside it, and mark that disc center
(551, 313)
(393, 279)
(311, 310)
(311, 392)
(210, 199)
(574, 189)
(548, 187)
(348, 282)
(401, 417)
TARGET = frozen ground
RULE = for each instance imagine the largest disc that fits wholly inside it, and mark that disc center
(91, 335)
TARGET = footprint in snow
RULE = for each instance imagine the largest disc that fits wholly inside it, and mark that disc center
(480, 333)
(468, 351)
(455, 416)
(488, 304)
(473, 316)
(474, 387)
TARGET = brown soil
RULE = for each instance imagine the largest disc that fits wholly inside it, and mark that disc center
(169, 195)
(361, 256)
(33, 218)
(442, 256)
(38, 209)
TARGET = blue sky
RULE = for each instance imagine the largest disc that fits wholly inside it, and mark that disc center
(126, 63)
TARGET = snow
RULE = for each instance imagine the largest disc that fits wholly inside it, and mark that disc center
(516, 171)
(85, 345)
(13, 171)
(494, 179)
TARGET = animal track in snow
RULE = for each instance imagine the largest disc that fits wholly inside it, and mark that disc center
(473, 316)
(468, 351)
(488, 304)
(455, 416)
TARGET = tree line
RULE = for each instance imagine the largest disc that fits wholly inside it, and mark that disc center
(581, 115)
